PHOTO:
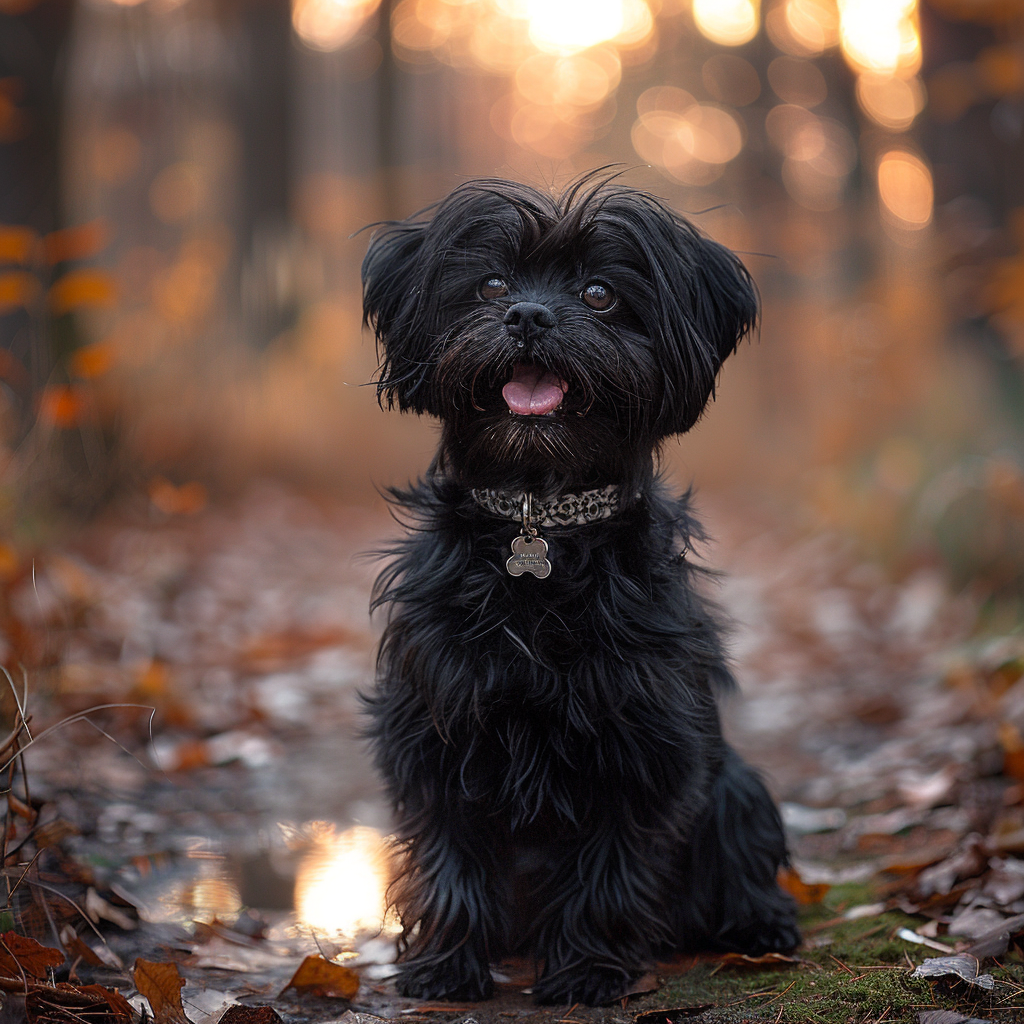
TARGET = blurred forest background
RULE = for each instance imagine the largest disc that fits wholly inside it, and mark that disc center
(183, 183)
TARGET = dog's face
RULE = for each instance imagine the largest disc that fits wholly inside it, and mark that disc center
(557, 338)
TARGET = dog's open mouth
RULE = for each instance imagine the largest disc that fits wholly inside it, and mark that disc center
(533, 391)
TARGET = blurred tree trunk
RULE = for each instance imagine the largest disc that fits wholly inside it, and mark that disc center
(32, 41)
(265, 98)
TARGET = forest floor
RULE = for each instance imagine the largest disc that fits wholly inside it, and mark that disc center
(203, 809)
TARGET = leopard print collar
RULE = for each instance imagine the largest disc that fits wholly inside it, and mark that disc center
(564, 510)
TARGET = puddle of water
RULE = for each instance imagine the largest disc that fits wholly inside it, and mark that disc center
(332, 880)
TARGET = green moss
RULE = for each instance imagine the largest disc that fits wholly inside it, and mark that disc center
(858, 974)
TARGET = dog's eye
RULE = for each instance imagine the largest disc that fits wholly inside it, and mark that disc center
(493, 288)
(598, 296)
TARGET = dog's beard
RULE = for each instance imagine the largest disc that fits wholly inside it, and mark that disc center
(601, 431)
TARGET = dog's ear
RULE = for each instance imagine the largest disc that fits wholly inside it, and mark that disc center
(709, 304)
(393, 276)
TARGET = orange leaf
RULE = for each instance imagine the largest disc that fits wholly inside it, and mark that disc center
(1013, 764)
(19, 953)
(82, 288)
(186, 500)
(320, 977)
(61, 405)
(242, 1014)
(801, 891)
(766, 960)
(161, 984)
(15, 243)
(117, 1002)
(17, 288)
(77, 949)
(77, 242)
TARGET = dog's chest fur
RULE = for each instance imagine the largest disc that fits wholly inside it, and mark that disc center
(539, 695)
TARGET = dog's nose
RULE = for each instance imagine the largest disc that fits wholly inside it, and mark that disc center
(523, 319)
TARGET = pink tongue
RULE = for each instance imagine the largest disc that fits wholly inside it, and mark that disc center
(533, 391)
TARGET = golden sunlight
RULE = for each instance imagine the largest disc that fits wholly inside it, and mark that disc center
(330, 24)
(727, 22)
(880, 36)
(342, 880)
(565, 26)
(905, 189)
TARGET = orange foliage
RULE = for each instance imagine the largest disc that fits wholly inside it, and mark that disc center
(186, 500)
(62, 405)
(17, 288)
(15, 243)
(76, 243)
(93, 360)
(82, 288)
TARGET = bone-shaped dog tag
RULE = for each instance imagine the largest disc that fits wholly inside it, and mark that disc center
(529, 554)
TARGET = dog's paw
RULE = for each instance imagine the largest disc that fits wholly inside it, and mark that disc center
(591, 984)
(774, 932)
(459, 976)
(780, 936)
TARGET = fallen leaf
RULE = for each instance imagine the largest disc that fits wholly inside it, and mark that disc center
(100, 909)
(77, 949)
(671, 1015)
(117, 1002)
(946, 1017)
(968, 860)
(960, 966)
(52, 833)
(648, 983)
(320, 977)
(997, 941)
(161, 984)
(239, 1014)
(19, 954)
(57, 1004)
(805, 894)
(973, 922)
(765, 960)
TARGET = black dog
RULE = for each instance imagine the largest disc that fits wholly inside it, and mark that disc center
(545, 716)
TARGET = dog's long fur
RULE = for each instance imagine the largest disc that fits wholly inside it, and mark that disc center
(552, 746)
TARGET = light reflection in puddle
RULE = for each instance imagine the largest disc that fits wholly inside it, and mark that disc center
(198, 887)
(342, 880)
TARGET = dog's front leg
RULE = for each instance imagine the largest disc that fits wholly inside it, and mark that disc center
(606, 913)
(453, 902)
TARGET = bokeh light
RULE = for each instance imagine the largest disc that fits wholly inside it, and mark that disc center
(731, 79)
(691, 141)
(880, 36)
(819, 155)
(727, 22)
(330, 24)
(812, 24)
(797, 81)
(565, 26)
(890, 102)
(905, 189)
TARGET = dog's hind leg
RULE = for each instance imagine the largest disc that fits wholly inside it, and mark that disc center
(729, 898)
